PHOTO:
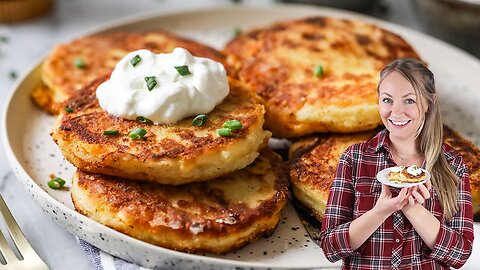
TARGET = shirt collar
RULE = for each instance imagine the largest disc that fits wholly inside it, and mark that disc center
(380, 141)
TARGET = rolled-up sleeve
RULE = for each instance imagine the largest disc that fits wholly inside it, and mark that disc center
(455, 238)
(334, 235)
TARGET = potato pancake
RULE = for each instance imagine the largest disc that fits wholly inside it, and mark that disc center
(168, 154)
(217, 216)
(316, 74)
(73, 65)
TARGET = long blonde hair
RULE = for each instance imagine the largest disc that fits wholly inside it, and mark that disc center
(430, 132)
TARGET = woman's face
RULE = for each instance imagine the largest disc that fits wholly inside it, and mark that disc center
(400, 107)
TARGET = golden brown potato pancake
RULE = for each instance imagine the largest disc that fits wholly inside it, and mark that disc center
(217, 216)
(168, 154)
(63, 74)
(279, 63)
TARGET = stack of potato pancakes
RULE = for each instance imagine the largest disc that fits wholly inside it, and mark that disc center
(185, 187)
(318, 77)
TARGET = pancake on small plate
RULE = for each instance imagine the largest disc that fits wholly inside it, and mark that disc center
(402, 174)
(313, 163)
(169, 153)
(316, 74)
(217, 216)
(73, 65)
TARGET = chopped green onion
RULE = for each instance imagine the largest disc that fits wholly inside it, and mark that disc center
(137, 134)
(69, 110)
(237, 31)
(135, 60)
(56, 183)
(151, 82)
(110, 132)
(318, 71)
(199, 120)
(183, 70)
(224, 132)
(80, 63)
(13, 74)
(144, 120)
(3, 39)
(233, 125)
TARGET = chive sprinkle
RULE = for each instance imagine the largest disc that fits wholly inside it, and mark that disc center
(237, 31)
(135, 60)
(144, 120)
(69, 110)
(233, 125)
(13, 74)
(151, 82)
(56, 183)
(183, 70)
(3, 39)
(224, 132)
(80, 63)
(137, 134)
(111, 132)
(199, 120)
(318, 71)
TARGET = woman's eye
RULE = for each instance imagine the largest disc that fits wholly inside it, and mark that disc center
(410, 101)
(387, 100)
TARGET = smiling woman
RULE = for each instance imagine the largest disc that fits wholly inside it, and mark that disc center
(409, 226)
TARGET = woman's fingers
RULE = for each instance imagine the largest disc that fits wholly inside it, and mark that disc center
(411, 200)
(386, 190)
(418, 197)
(428, 184)
(424, 191)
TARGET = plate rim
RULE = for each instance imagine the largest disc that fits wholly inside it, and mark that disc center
(23, 176)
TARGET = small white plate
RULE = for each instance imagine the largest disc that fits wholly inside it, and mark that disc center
(382, 177)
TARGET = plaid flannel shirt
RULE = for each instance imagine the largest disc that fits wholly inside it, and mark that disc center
(395, 244)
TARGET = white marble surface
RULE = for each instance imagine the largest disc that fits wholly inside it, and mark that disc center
(29, 41)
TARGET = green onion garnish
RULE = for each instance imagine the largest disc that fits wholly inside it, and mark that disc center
(237, 31)
(110, 132)
(151, 82)
(135, 60)
(13, 74)
(183, 70)
(137, 134)
(233, 125)
(69, 110)
(3, 39)
(318, 71)
(144, 120)
(56, 183)
(224, 132)
(199, 120)
(80, 63)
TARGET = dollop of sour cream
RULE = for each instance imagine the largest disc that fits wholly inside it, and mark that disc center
(174, 97)
(414, 170)
(397, 168)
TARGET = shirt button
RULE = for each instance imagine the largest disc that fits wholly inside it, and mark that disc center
(397, 240)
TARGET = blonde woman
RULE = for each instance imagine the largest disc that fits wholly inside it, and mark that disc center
(369, 225)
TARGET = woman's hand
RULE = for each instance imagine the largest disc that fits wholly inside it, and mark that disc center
(418, 195)
(387, 204)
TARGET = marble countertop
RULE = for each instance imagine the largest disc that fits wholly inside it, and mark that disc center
(27, 42)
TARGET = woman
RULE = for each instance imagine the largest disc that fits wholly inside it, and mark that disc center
(373, 226)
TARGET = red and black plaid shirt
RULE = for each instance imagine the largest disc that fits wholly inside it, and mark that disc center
(395, 244)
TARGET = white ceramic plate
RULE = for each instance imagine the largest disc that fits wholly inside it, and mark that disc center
(382, 177)
(33, 155)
